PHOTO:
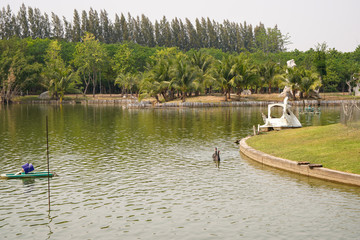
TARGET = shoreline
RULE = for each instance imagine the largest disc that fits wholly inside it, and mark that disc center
(134, 103)
(293, 166)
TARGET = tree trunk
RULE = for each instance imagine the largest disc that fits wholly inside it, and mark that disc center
(269, 90)
(164, 96)
(109, 87)
(94, 83)
(100, 82)
(86, 84)
(157, 98)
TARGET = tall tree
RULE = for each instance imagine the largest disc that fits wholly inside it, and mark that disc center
(158, 36)
(16, 69)
(46, 26)
(58, 31)
(124, 28)
(8, 23)
(117, 31)
(175, 32)
(106, 26)
(58, 77)
(84, 23)
(94, 23)
(193, 37)
(68, 30)
(23, 21)
(148, 31)
(213, 39)
(89, 58)
(184, 39)
(320, 59)
(76, 31)
(166, 32)
(33, 27)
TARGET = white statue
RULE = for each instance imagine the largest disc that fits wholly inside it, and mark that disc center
(291, 63)
(357, 89)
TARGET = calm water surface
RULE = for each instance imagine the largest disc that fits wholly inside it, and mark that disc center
(148, 174)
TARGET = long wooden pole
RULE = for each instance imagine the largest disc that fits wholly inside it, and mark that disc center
(47, 158)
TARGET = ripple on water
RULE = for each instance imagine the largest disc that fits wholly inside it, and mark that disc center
(149, 175)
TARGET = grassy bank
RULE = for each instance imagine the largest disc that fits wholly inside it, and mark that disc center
(214, 98)
(334, 146)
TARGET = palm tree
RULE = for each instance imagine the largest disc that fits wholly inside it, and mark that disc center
(293, 79)
(67, 83)
(184, 76)
(246, 75)
(309, 82)
(157, 80)
(204, 65)
(226, 74)
(270, 74)
(129, 82)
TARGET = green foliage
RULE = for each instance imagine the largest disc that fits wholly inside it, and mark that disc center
(271, 74)
(184, 76)
(129, 82)
(203, 33)
(18, 71)
(320, 59)
(226, 74)
(89, 59)
(58, 77)
(123, 60)
(158, 78)
(99, 65)
(37, 48)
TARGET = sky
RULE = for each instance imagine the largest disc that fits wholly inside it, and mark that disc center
(308, 22)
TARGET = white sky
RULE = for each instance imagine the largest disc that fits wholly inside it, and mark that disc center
(308, 22)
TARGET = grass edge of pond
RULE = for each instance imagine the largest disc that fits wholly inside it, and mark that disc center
(334, 146)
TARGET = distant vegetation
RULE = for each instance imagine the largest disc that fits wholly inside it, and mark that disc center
(164, 60)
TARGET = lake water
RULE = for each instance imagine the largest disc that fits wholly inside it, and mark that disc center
(149, 174)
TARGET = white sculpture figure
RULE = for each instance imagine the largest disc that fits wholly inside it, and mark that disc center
(287, 93)
(291, 63)
(287, 120)
(246, 92)
(357, 89)
(287, 90)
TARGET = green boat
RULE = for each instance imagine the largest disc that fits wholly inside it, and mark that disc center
(27, 175)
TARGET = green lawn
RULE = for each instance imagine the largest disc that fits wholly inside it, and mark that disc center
(334, 146)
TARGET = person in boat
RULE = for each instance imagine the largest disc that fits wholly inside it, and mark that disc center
(26, 168)
(216, 157)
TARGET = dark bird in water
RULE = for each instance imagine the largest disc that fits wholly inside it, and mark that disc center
(237, 141)
(216, 157)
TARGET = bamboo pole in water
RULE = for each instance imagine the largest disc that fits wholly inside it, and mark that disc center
(47, 158)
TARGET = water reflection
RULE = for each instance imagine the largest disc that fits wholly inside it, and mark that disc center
(143, 174)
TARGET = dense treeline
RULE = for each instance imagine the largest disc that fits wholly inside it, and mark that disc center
(31, 64)
(185, 35)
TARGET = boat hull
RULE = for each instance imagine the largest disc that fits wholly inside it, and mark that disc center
(27, 175)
